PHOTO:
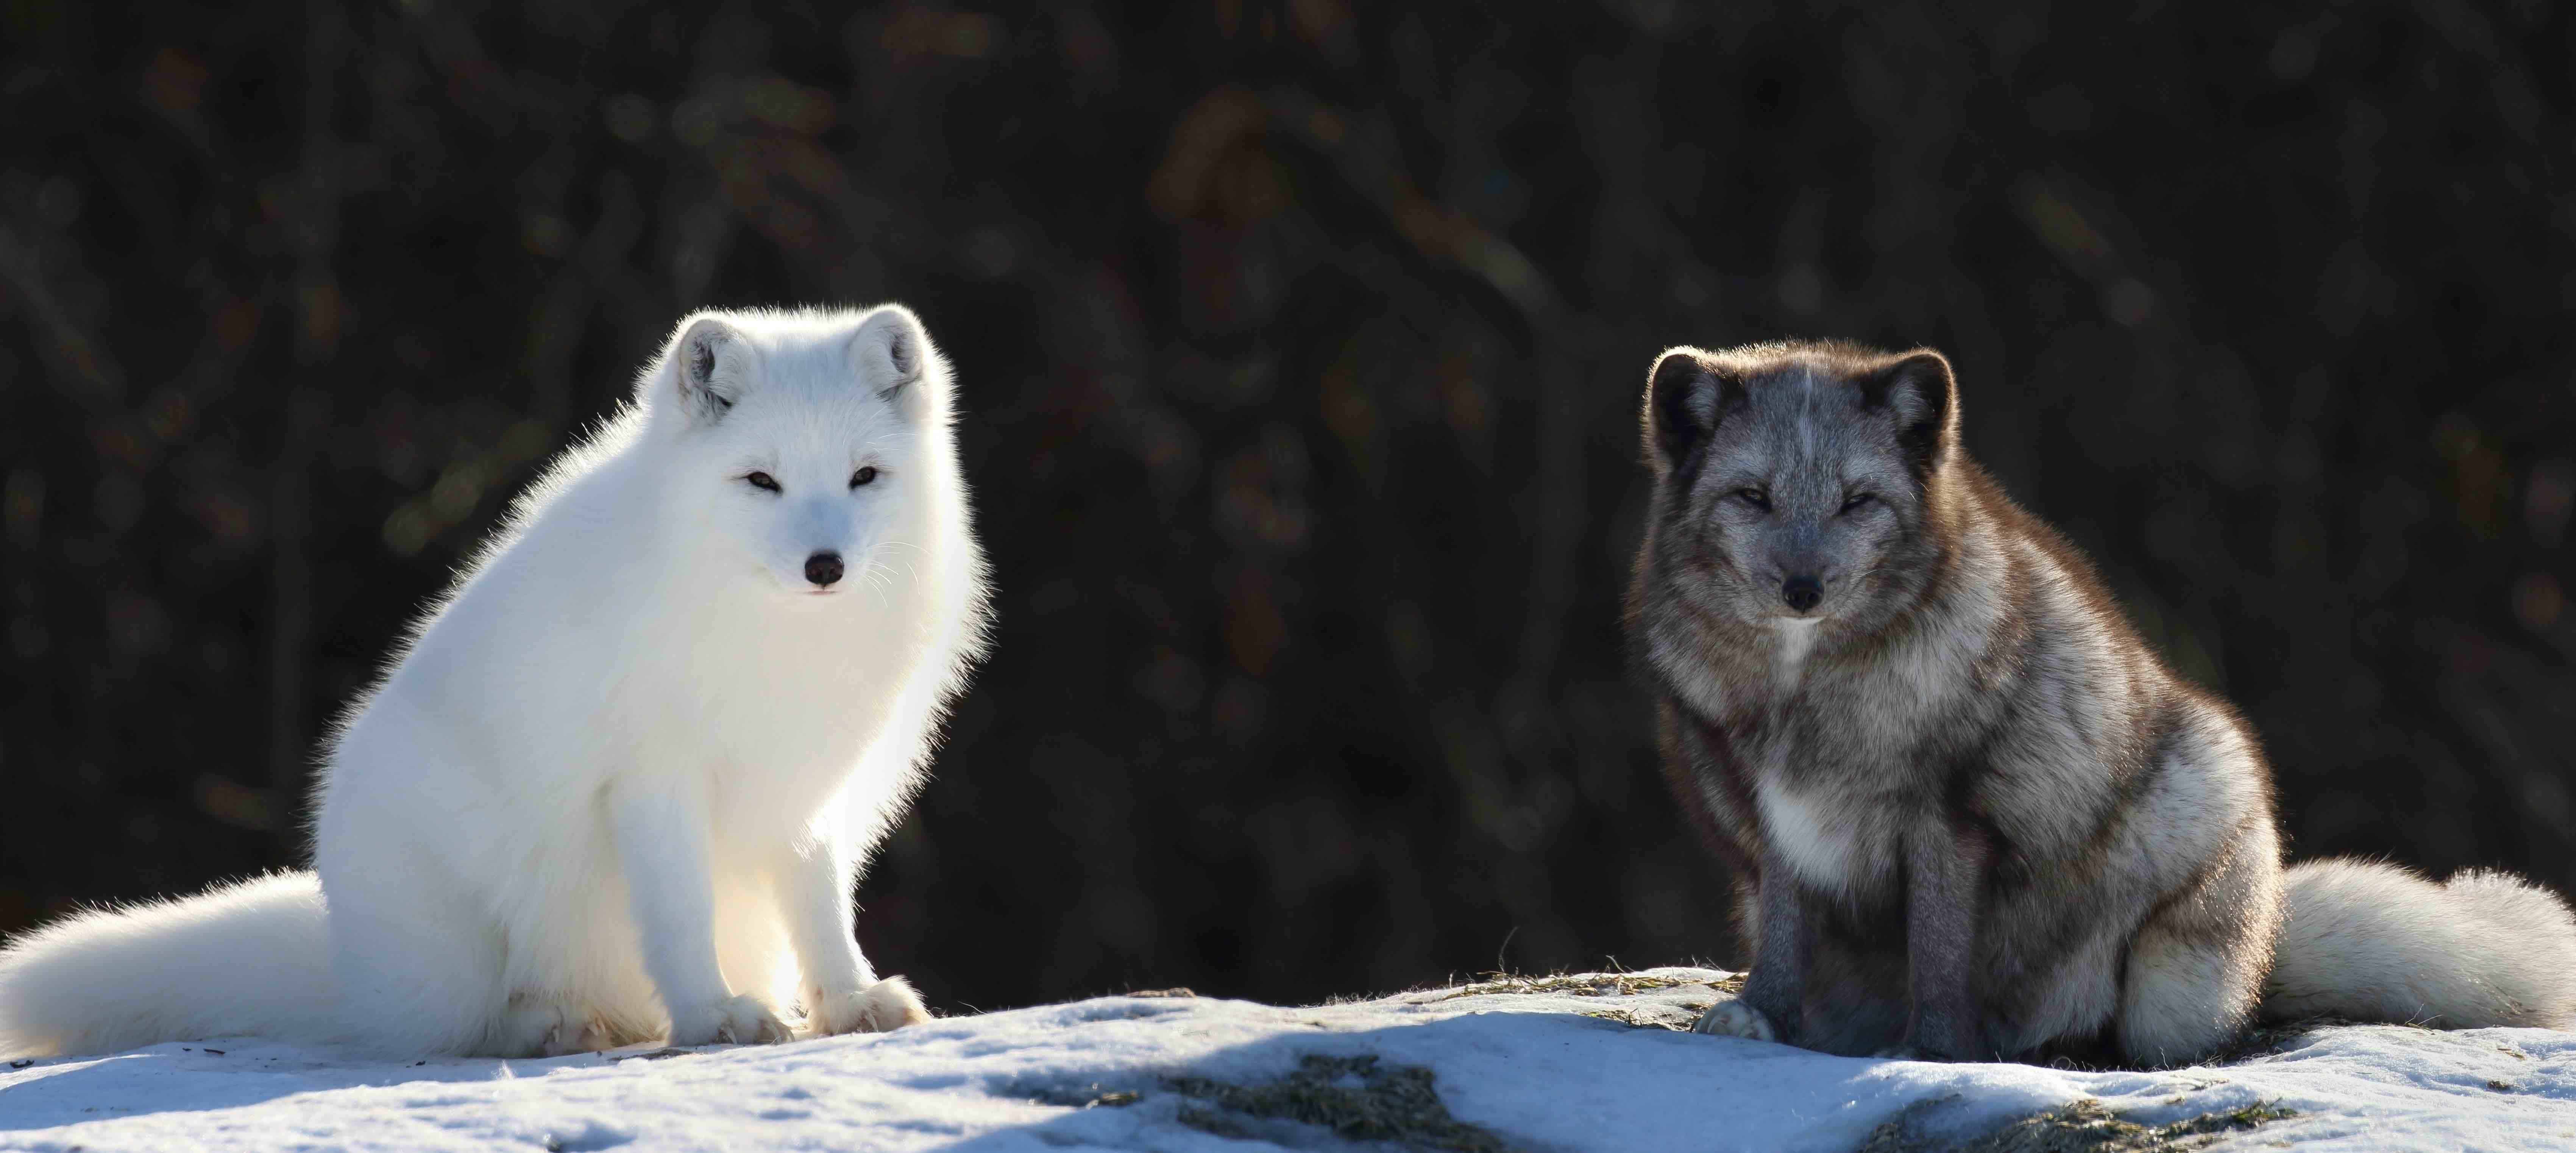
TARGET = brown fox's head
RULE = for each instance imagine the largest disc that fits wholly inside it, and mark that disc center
(1796, 483)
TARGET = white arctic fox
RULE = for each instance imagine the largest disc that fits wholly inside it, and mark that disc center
(616, 785)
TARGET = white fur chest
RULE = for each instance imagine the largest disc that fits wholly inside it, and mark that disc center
(1791, 640)
(1842, 843)
(777, 708)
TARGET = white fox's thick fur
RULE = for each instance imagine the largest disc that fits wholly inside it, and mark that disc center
(2374, 942)
(617, 784)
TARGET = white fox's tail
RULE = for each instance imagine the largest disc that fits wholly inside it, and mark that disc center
(2374, 942)
(241, 959)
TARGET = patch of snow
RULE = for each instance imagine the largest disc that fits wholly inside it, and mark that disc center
(1566, 1064)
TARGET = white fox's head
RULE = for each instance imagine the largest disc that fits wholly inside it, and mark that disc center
(810, 442)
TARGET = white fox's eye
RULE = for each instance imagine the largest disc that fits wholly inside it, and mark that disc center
(1856, 500)
(762, 481)
(1755, 497)
(863, 476)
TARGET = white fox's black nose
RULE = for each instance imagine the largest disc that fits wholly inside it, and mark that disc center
(823, 568)
(1800, 593)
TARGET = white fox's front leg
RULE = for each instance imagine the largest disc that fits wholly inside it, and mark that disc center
(841, 992)
(661, 838)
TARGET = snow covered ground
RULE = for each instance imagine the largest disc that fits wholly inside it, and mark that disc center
(1580, 1063)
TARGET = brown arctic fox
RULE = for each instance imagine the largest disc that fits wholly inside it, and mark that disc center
(1973, 815)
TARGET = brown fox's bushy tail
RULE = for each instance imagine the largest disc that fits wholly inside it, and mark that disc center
(2374, 942)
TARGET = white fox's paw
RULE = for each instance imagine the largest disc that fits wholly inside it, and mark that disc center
(1735, 1019)
(732, 1021)
(887, 1005)
(543, 1026)
(584, 1034)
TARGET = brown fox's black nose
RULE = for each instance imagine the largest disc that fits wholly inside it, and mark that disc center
(823, 568)
(1800, 593)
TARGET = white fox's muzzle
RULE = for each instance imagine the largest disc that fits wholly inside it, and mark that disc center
(823, 570)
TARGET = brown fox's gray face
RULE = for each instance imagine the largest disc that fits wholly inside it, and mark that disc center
(1791, 480)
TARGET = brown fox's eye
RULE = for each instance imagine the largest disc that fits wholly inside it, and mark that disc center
(863, 476)
(1856, 500)
(1755, 497)
(762, 481)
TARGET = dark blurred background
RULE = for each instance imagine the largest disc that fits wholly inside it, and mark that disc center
(1300, 344)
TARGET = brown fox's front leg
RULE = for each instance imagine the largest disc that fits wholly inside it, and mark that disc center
(1769, 1007)
(1945, 869)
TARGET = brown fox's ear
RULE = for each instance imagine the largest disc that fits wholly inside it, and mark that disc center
(1686, 399)
(1919, 391)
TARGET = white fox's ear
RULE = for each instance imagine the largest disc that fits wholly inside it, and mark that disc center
(1687, 397)
(894, 355)
(710, 369)
(1920, 391)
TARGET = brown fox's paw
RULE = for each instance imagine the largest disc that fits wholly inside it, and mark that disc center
(887, 1005)
(1937, 1037)
(1735, 1019)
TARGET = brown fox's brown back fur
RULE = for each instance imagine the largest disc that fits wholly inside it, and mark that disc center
(1970, 810)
